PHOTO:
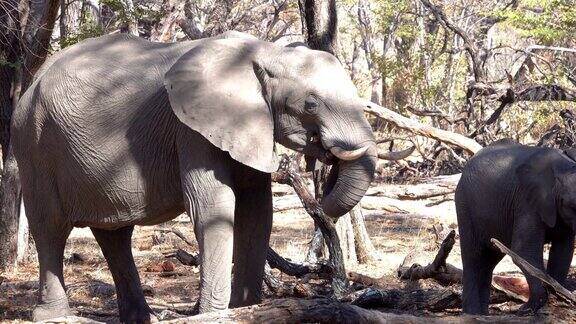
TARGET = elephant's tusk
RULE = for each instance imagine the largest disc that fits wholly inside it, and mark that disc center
(349, 155)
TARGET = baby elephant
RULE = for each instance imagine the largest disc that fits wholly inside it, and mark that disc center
(525, 197)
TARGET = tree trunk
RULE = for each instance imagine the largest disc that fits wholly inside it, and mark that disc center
(27, 44)
(10, 202)
(131, 22)
(9, 189)
(320, 21)
(365, 251)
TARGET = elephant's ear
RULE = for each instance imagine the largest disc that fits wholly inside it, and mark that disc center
(537, 185)
(218, 89)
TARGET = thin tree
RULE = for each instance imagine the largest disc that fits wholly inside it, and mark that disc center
(23, 48)
(320, 25)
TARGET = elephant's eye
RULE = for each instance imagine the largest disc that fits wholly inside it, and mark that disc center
(311, 104)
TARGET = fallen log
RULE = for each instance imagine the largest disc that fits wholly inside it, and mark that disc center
(287, 202)
(528, 268)
(317, 310)
(416, 127)
(428, 188)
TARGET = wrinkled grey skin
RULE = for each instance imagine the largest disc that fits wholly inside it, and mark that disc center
(524, 197)
(117, 131)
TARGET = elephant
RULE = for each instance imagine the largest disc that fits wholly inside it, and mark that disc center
(117, 131)
(524, 197)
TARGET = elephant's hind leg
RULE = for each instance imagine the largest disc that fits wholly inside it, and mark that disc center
(117, 248)
(478, 265)
(252, 227)
(52, 299)
(50, 229)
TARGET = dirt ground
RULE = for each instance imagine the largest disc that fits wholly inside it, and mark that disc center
(92, 295)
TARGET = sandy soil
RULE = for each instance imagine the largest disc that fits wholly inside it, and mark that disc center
(92, 295)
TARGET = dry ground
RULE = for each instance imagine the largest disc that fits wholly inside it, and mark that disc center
(92, 295)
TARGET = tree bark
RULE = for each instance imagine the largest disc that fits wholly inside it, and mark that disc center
(321, 21)
(365, 251)
(288, 174)
(27, 50)
(10, 194)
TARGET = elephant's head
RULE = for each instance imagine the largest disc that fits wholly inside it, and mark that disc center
(549, 180)
(244, 95)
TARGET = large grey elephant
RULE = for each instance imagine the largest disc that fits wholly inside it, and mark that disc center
(524, 197)
(117, 131)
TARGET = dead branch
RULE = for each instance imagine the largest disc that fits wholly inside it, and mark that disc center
(537, 92)
(275, 285)
(294, 269)
(440, 201)
(185, 258)
(528, 268)
(177, 233)
(395, 156)
(288, 174)
(438, 270)
(469, 44)
(416, 127)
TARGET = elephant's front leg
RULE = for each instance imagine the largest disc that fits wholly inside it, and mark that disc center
(252, 227)
(528, 242)
(210, 201)
(213, 225)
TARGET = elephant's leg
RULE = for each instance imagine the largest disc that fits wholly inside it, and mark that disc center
(52, 299)
(116, 246)
(560, 257)
(472, 262)
(252, 227)
(528, 242)
(50, 229)
(213, 225)
(491, 259)
(210, 201)
(478, 265)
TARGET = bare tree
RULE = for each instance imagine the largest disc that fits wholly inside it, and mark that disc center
(320, 21)
(25, 30)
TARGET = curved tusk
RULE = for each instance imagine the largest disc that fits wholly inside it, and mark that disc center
(395, 156)
(349, 155)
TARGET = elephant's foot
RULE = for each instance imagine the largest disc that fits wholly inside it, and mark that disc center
(52, 309)
(135, 312)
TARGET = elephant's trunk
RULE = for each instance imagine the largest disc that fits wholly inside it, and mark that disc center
(348, 182)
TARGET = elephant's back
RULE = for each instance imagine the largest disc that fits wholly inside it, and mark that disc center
(95, 79)
(498, 160)
(486, 192)
(98, 119)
